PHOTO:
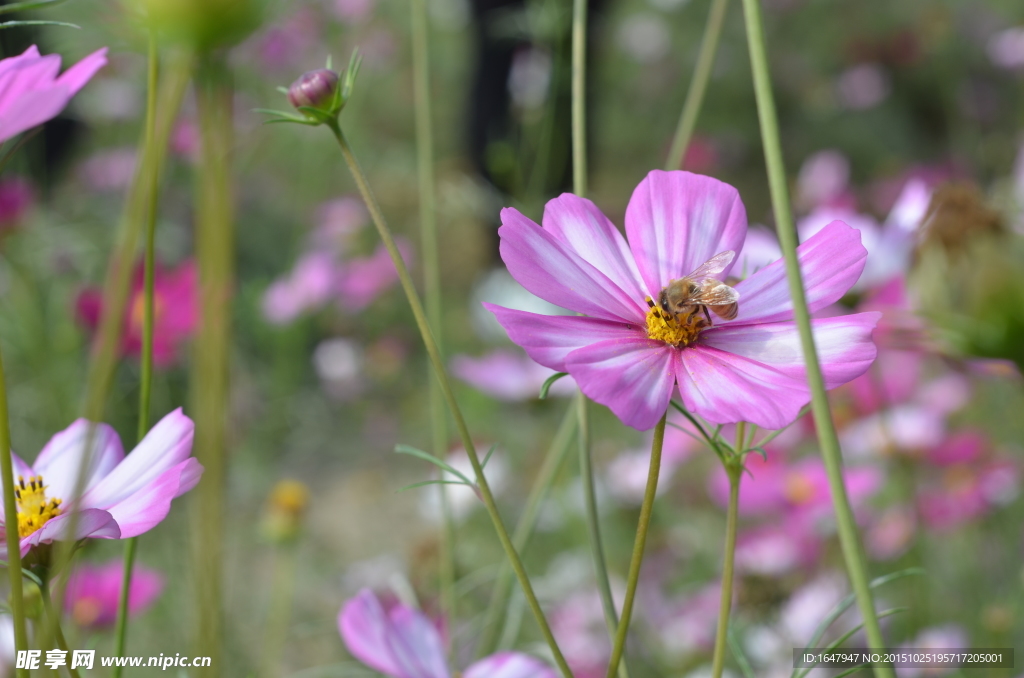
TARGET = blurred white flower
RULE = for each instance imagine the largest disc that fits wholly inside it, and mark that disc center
(808, 605)
(498, 287)
(462, 500)
(823, 177)
(863, 86)
(530, 78)
(644, 37)
(338, 363)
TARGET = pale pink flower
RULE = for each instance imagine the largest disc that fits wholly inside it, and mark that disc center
(775, 550)
(823, 179)
(109, 170)
(1006, 48)
(509, 376)
(307, 288)
(863, 86)
(402, 642)
(361, 280)
(891, 534)
(938, 638)
(124, 496)
(94, 592)
(33, 92)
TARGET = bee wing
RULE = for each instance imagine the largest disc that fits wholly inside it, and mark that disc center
(713, 266)
(718, 295)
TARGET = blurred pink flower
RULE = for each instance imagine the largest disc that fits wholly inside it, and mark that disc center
(688, 623)
(353, 11)
(337, 222)
(893, 379)
(823, 180)
(124, 496)
(746, 369)
(185, 141)
(402, 642)
(701, 156)
(93, 592)
(891, 534)
(863, 86)
(627, 474)
(175, 311)
(965, 492)
(945, 638)
(16, 197)
(285, 44)
(1006, 48)
(775, 550)
(306, 288)
(108, 170)
(508, 375)
(362, 279)
(33, 92)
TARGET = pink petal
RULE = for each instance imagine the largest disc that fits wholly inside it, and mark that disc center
(165, 446)
(631, 376)
(676, 221)
(29, 75)
(509, 665)
(416, 645)
(12, 63)
(364, 627)
(61, 459)
(831, 260)
(587, 231)
(150, 504)
(725, 388)
(843, 344)
(92, 523)
(550, 269)
(75, 77)
(31, 109)
(548, 339)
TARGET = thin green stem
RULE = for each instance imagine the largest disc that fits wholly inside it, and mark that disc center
(847, 527)
(579, 97)
(279, 610)
(611, 617)
(734, 469)
(146, 382)
(698, 85)
(449, 394)
(553, 462)
(17, 600)
(646, 509)
(209, 383)
(54, 619)
(431, 262)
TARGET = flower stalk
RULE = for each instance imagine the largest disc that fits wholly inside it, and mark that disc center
(698, 85)
(646, 509)
(209, 379)
(17, 599)
(849, 537)
(442, 376)
(734, 469)
(432, 281)
(146, 382)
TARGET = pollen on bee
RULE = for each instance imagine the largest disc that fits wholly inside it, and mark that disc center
(666, 327)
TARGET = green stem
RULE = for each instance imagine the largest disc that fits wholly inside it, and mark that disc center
(146, 384)
(449, 395)
(211, 349)
(553, 462)
(698, 85)
(646, 509)
(611, 617)
(17, 599)
(58, 634)
(279, 610)
(579, 97)
(432, 282)
(734, 469)
(847, 527)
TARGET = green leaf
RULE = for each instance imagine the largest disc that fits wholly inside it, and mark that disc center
(843, 605)
(737, 652)
(426, 456)
(846, 636)
(487, 458)
(14, 24)
(30, 4)
(434, 482)
(549, 382)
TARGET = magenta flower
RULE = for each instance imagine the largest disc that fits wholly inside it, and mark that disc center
(33, 92)
(124, 496)
(94, 591)
(626, 355)
(403, 643)
(175, 311)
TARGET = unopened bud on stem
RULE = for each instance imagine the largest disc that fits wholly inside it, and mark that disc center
(315, 89)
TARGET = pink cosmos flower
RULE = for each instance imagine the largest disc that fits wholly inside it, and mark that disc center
(33, 92)
(175, 311)
(509, 376)
(363, 279)
(403, 643)
(124, 496)
(94, 591)
(625, 355)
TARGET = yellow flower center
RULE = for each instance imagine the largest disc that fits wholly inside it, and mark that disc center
(34, 509)
(679, 331)
(86, 611)
(798, 489)
(137, 313)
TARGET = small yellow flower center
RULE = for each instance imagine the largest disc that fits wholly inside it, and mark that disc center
(672, 329)
(86, 611)
(798, 489)
(137, 313)
(34, 509)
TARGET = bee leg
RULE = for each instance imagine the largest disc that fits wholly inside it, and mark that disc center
(707, 315)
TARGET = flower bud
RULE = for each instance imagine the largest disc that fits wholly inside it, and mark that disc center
(316, 89)
(286, 507)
